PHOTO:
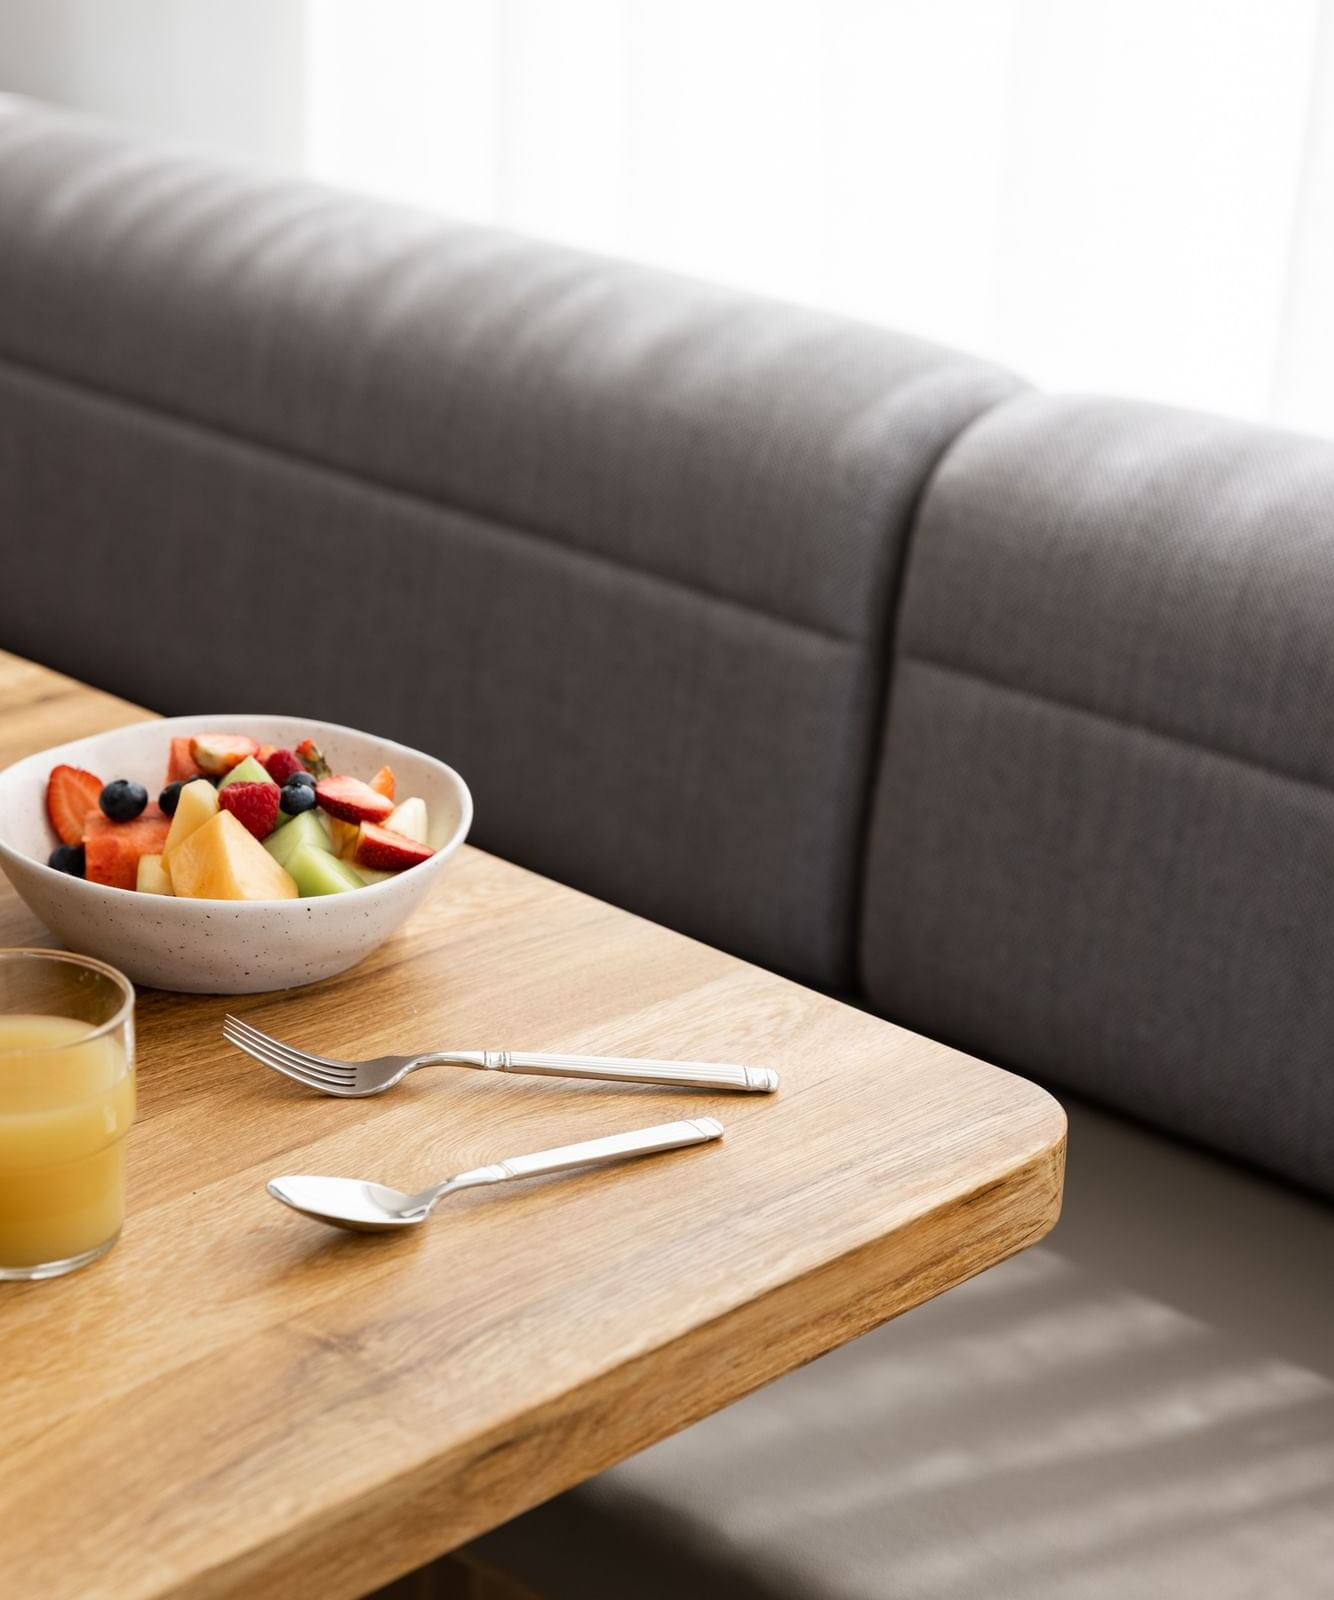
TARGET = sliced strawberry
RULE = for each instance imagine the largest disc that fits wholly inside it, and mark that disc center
(254, 804)
(218, 753)
(352, 800)
(281, 765)
(383, 850)
(383, 782)
(312, 758)
(182, 766)
(71, 793)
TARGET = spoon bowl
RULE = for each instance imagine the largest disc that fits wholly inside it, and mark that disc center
(350, 1203)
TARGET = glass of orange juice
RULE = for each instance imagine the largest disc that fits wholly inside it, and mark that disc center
(66, 1104)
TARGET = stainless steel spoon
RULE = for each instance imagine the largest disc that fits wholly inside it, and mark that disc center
(374, 1208)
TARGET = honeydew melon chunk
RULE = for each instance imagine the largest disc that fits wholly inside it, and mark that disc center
(303, 829)
(319, 872)
(152, 876)
(223, 860)
(370, 875)
(197, 802)
(247, 771)
(410, 819)
(324, 820)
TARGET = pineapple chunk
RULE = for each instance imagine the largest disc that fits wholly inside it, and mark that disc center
(343, 836)
(153, 877)
(410, 820)
(197, 802)
(222, 860)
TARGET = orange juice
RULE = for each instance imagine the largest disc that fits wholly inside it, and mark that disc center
(66, 1103)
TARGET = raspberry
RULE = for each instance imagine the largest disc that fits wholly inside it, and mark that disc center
(254, 805)
(282, 764)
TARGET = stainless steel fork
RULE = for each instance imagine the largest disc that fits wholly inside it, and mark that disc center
(354, 1079)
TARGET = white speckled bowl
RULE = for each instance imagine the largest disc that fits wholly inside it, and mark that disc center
(222, 946)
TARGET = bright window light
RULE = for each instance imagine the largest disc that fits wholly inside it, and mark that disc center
(1134, 196)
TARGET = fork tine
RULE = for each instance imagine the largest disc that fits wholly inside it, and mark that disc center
(242, 1034)
(303, 1071)
(299, 1077)
(275, 1052)
(324, 1085)
(261, 1037)
(242, 1029)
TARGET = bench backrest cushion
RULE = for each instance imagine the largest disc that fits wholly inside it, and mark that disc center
(619, 545)
(1103, 837)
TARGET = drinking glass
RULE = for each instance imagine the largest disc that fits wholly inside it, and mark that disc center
(66, 1104)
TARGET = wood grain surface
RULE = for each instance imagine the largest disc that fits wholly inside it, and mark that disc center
(238, 1402)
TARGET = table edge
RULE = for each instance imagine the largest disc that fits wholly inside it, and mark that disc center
(345, 1548)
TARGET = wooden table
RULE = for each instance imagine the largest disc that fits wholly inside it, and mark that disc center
(239, 1402)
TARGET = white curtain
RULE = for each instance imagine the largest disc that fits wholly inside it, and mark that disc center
(1134, 196)
(226, 73)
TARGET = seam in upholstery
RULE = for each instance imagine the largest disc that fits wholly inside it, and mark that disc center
(1122, 724)
(876, 751)
(93, 394)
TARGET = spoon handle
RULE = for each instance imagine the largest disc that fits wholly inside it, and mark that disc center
(593, 1152)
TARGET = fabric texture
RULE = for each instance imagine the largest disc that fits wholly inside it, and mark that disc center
(1101, 1417)
(1103, 840)
(620, 546)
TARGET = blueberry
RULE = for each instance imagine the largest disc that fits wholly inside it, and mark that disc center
(68, 858)
(305, 779)
(123, 800)
(170, 797)
(297, 797)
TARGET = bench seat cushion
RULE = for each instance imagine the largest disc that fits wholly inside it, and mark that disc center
(1142, 1406)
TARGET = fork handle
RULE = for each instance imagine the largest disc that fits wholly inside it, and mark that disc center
(619, 1069)
(591, 1153)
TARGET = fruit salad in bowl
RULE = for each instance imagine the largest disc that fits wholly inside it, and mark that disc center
(226, 854)
(322, 832)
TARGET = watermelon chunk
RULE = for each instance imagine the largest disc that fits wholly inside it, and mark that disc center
(112, 849)
(182, 766)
